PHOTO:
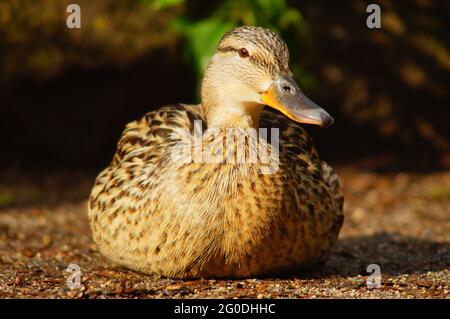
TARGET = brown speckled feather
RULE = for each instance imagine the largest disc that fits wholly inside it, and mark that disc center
(213, 220)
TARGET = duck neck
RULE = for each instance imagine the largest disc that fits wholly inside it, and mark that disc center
(226, 101)
(232, 114)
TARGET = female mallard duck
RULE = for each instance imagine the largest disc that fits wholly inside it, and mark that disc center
(181, 217)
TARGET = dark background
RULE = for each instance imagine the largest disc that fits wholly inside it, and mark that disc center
(66, 94)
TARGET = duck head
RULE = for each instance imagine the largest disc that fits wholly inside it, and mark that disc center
(250, 69)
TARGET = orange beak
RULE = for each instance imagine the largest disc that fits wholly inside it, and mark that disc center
(285, 96)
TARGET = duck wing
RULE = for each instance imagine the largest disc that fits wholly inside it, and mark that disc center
(155, 131)
(294, 139)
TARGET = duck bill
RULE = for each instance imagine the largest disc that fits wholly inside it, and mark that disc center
(285, 96)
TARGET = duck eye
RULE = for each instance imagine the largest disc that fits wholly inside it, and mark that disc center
(287, 89)
(243, 53)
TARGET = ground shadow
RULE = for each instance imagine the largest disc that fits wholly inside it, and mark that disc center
(395, 254)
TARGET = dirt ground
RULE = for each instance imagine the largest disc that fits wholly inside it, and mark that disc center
(399, 221)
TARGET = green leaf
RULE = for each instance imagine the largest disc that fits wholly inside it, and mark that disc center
(163, 4)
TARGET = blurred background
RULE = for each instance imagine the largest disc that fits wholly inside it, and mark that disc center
(66, 94)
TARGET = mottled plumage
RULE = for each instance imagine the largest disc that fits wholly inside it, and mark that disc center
(177, 218)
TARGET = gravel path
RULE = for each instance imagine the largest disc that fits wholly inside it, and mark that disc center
(399, 221)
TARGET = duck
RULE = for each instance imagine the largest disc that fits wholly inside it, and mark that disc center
(160, 210)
